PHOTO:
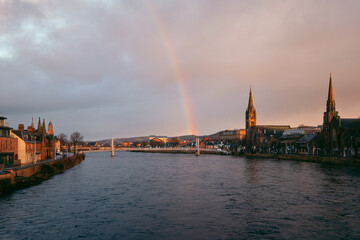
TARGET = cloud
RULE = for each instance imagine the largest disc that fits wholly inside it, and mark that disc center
(105, 61)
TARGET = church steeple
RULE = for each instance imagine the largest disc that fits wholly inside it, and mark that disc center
(330, 108)
(39, 129)
(251, 104)
(330, 104)
(250, 113)
(43, 126)
(50, 128)
(331, 92)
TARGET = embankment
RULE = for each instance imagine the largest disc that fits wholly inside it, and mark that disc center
(177, 150)
(354, 162)
(23, 177)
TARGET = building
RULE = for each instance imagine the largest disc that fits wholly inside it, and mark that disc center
(35, 144)
(57, 146)
(250, 114)
(331, 124)
(164, 139)
(8, 146)
(339, 136)
(351, 136)
(26, 147)
(306, 144)
(236, 135)
(289, 139)
(157, 142)
(261, 138)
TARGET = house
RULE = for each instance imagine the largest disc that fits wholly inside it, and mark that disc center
(236, 135)
(35, 144)
(8, 146)
(306, 144)
(164, 139)
(288, 140)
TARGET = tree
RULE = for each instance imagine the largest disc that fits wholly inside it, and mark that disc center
(155, 142)
(75, 139)
(63, 139)
(173, 142)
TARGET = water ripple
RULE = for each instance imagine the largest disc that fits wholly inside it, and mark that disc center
(163, 196)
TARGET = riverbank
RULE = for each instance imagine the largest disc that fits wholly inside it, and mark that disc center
(303, 158)
(22, 177)
(178, 151)
(353, 162)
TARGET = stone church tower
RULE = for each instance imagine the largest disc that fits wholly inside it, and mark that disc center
(250, 113)
(332, 123)
(50, 129)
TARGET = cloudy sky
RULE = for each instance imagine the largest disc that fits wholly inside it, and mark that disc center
(112, 68)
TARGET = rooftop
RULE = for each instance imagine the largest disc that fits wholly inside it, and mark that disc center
(282, 127)
(350, 123)
(307, 138)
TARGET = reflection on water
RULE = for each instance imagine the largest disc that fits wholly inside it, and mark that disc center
(163, 196)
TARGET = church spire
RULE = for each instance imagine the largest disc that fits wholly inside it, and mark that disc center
(250, 113)
(43, 126)
(39, 126)
(332, 122)
(330, 105)
(251, 104)
(331, 92)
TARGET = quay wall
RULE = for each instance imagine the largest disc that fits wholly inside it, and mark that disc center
(22, 177)
(344, 161)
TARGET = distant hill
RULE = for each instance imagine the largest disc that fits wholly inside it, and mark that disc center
(118, 141)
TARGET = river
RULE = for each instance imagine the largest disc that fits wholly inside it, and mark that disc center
(180, 196)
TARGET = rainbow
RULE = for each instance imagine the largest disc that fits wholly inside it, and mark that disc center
(179, 72)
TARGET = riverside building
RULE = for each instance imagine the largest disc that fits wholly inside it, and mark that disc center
(339, 136)
(336, 136)
(35, 144)
(8, 145)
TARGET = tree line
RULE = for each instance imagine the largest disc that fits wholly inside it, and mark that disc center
(75, 139)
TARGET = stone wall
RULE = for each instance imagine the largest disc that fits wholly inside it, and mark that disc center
(19, 178)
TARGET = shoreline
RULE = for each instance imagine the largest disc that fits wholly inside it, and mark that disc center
(333, 160)
(27, 176)
(165, 150)
(179, 151)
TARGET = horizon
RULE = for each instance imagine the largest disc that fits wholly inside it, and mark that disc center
(119, 69)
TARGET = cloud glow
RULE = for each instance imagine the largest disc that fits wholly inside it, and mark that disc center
(85, 63)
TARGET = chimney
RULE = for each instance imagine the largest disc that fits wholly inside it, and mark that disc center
(21, 127)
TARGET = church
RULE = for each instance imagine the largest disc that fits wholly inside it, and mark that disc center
(338, 136)
(261, 138)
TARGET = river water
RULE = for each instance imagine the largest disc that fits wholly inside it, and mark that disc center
(179, 196)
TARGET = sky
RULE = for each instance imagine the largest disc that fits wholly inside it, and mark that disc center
(112, 68)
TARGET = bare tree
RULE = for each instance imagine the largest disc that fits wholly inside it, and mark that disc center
(75, 139)
(63, 139)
